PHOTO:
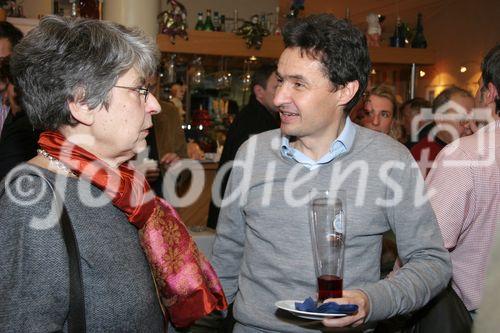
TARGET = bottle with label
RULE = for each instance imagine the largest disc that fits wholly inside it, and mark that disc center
(216, 21)
(74, 12)
(199, 22)
(419, 41)
(223, 23)
(398, 38)
(208, 26)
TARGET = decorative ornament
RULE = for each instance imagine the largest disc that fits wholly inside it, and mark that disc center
(197, 72)
(253, 32)
(295, 8)
(173, 20)
(374, 30)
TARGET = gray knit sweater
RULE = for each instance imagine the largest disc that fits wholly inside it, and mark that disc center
(262, 252)
(119, 291)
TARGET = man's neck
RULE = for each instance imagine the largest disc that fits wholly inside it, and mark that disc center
(317, 147)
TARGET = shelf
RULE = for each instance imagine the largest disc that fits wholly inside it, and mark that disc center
(220, 43)
(394, 55)
(228, 44)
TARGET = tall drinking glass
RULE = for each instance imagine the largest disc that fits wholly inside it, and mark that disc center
(327, 226)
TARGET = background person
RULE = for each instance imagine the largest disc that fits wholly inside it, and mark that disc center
(9, 37)
(18, 139)
(381, 112)
(467, 193)
(449, 124)
(409, 110)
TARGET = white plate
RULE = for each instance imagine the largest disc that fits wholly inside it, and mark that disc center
(290, 307)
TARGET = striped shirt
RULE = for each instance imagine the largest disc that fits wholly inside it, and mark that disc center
(466, 204)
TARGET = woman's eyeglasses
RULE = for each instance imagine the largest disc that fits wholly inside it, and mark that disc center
(144, 91)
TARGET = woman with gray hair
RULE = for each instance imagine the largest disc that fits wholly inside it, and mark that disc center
(84, 83)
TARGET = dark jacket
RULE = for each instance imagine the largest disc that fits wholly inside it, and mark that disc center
(18, 142)
(254, 118)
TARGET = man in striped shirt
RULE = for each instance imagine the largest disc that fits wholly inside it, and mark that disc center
(466, 185)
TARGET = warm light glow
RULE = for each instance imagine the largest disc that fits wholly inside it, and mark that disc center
(373, 72)
(422, 73)
(189, 127)
(183, 126)
(463, 69)
(200, 127)
(253, 58)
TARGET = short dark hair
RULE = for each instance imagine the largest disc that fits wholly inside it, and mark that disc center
(491, 71)
(337, 44)
(446, 95)
(417, 103)
(5, 75)
(9, 31)
(262, 74)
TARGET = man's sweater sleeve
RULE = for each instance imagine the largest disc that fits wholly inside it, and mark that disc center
(426, 263)
(227, 251)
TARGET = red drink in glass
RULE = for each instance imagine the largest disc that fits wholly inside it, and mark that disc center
(329, 286)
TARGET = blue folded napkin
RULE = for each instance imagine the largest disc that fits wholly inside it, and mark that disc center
(309, 305)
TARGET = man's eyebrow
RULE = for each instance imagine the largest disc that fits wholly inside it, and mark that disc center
(293, 77)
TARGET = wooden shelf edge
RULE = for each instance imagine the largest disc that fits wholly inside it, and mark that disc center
(220, 43)
(394, 55)
(228, 44)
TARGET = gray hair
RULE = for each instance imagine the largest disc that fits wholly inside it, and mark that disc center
(64, 60)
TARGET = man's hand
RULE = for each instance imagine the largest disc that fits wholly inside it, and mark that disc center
(350, 297)
(169, 159)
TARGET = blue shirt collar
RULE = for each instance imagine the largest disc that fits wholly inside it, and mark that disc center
(340, 146)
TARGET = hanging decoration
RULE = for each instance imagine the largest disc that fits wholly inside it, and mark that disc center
(253, 32)
(374, 30)
(197, 72)
(173, 21)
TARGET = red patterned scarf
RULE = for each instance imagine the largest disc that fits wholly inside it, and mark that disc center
(188, 285)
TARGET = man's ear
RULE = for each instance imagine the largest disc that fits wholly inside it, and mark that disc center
(347, 92)
(258, 91)
(491, 93)
(81, 113)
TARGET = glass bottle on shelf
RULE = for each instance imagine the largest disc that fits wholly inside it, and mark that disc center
(199, 22)
(277, 28)
(216, 21)
(55, 7)
(74, 12)
(89, 9)
(235, 21)
(223, 23)
(419, 41)
(208, 26)
(398, 38)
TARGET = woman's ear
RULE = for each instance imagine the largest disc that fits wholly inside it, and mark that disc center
(81, 112)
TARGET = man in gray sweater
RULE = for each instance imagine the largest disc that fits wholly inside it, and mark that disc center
(263, 252)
